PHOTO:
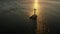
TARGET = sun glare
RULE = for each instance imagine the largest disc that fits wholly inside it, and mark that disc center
(36, 6)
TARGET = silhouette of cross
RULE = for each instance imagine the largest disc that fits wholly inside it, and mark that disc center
(34, 11)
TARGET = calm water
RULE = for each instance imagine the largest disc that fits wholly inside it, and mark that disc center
(14, 15)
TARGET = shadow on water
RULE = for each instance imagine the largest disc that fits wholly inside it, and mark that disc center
(34, 26)
(33, 20)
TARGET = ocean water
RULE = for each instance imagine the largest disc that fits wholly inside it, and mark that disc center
(14, 16)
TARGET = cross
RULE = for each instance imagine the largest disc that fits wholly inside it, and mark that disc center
(34, 11)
